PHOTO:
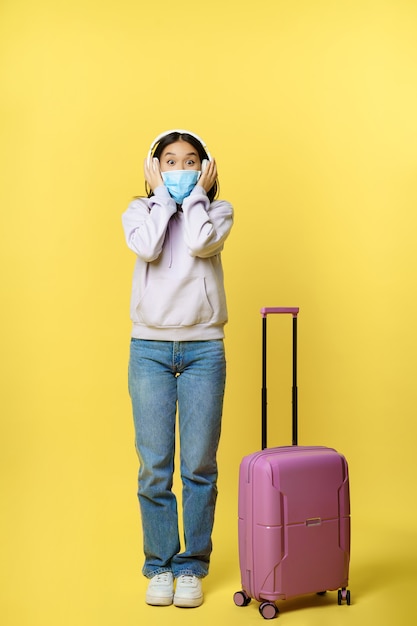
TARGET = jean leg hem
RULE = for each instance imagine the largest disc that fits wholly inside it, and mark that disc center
(189, 572)
(159, 570)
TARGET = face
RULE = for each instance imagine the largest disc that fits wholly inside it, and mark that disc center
(179, 155)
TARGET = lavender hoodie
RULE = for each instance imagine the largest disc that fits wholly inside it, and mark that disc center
(178, 290)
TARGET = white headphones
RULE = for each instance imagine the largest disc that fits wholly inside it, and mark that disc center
(181, 131)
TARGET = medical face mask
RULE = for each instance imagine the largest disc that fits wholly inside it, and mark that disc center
(180, 183)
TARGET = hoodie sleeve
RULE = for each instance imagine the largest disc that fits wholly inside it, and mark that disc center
(145, 223)
(207, 225)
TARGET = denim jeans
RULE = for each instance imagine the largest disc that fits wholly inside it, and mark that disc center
(165, 376)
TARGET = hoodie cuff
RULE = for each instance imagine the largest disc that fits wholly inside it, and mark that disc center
(162, 192)
(198, 190)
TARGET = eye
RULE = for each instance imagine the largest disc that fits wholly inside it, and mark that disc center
(170, 162)
(190, 162)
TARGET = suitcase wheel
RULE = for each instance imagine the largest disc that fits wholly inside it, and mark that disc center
(241, 598)
(343, 595)
(268, 610)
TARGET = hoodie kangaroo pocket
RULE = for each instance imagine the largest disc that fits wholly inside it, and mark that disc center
(172, 303)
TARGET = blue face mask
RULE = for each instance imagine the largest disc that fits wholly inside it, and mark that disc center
(180, 183)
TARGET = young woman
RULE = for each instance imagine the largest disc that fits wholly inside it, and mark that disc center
(177, 361)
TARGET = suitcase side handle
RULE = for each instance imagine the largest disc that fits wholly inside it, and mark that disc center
(294, 312)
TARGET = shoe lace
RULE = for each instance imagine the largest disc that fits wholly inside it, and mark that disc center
(187, 579)
(162, 578)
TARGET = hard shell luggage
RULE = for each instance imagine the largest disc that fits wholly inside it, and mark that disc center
(294, 512)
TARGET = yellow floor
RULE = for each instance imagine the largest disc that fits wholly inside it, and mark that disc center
(77, 575)
(383, 583)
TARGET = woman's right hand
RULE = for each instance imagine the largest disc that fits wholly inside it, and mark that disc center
(152, 172)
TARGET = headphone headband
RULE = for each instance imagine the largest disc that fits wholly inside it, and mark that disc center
(181, 131)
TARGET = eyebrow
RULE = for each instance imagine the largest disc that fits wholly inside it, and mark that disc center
(174, 154)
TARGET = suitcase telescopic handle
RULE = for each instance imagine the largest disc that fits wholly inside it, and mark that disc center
(265, 311)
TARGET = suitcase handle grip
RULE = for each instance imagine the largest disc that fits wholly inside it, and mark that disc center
(293, 310)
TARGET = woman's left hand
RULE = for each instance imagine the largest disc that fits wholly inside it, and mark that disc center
(208, 177)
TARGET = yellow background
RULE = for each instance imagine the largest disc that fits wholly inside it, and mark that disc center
(310, 110)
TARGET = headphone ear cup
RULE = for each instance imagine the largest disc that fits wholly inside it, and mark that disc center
(204, 165)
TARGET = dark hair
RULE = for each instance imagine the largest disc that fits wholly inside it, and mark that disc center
(172, 138)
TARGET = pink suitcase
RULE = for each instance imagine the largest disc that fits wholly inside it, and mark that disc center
(294, 513)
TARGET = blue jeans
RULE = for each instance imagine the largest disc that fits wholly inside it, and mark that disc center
(164, 375)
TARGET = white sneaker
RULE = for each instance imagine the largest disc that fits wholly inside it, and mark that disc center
(189, 593)
(160, 590)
